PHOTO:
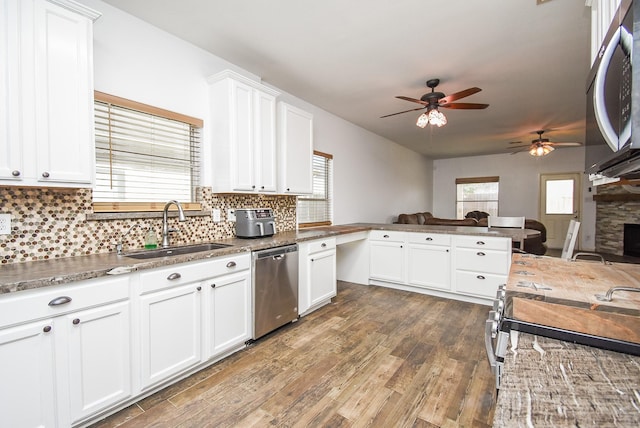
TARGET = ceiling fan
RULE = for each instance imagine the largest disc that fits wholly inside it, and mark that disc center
(433, 100)
(540, 146)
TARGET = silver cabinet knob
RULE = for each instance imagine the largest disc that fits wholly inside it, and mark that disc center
(15, 173)
(45, 174)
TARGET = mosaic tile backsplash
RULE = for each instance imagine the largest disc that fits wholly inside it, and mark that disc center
(52, 223)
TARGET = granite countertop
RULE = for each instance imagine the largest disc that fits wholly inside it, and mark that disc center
(552, 383)
(24, 276)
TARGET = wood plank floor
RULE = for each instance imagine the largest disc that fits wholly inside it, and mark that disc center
(374, 357)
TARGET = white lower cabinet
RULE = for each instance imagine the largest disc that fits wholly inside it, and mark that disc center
(317, 274)
(171, 323)
(27, 370)
(457, 266)
(69, 354)
(228, 308)
(64, 352)
(481, 264)
(192, 312)
(99, 358)
(387, 253)
(429, 261)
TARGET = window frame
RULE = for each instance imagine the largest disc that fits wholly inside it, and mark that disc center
(477, 180)
(143, 206)
(328, 191)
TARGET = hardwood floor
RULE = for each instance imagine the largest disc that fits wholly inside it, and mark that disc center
(374, 357)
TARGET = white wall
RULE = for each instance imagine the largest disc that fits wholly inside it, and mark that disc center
(519, 184)
(374, 178)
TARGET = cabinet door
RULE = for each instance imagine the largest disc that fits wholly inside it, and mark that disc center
(265, 142)
(99, 358)
(241, 135)
(230, 311)
(64, 95)
(429, 266)
(296, 150)
(27, 390)
(322, 276)
(170, 331)
(11, 167)
(387, 261)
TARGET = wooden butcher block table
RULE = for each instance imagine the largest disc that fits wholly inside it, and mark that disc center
(562, 294)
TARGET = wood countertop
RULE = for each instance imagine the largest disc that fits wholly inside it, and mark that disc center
(559, 293)
(561, 384)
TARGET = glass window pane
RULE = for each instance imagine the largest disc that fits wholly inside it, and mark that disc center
(477, 197)
(559, 197)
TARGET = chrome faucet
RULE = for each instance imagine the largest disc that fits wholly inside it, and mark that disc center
(120, 244)
(165, 225)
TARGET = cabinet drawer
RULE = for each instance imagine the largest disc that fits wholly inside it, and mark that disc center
(483, 242)
(482, 285)
(185, 273)
(387, 235)
(30, 305)
(429, 238)
(488, 261)
(321, 245)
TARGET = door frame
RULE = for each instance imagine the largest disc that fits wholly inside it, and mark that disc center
(577, 196)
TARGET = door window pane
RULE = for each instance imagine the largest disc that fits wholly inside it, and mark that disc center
(559, 197)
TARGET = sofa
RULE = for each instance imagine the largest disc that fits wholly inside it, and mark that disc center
(535, 245)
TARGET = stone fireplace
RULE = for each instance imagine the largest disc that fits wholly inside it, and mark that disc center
(616, 205)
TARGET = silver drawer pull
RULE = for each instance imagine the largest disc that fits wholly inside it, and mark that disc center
(60, 301)
(323, 245)
(480, 277)
(429, 238)
(45, 174)
(480, 243)
(173, 276)
(480, 253)
(231, 264)
(385, 236)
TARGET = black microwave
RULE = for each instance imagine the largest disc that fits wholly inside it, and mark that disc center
(613, 100)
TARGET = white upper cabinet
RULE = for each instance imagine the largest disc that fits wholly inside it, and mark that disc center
(243, 134)
(295, 152)
(46, 103)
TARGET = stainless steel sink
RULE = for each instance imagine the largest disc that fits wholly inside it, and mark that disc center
(175, 251)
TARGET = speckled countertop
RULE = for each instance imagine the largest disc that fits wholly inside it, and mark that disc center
(552, 383)
(24, 276)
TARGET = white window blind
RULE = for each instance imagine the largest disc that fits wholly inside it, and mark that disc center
(317, 209)
(477, 194)
(144, 157)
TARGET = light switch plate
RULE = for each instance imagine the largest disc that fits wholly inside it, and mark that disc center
(231, 214)
(5, 224)
(215, 215)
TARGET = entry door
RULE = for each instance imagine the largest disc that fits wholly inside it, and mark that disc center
(559, 203)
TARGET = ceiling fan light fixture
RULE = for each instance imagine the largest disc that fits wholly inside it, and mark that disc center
(423, 120)
(437, 118)
(540, 150)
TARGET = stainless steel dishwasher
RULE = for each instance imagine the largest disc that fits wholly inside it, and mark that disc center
(275, 288)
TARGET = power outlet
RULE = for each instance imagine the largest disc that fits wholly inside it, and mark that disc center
(231, 214)
(5, 224)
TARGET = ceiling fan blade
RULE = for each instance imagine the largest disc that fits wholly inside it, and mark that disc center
(458, 95)
(400, 112)
(516, 142)
(566, 144)
(465, 106)
(413, 100)
(527, 146)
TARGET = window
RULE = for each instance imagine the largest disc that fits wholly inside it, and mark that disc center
(477, 194)
(316, 209)
(143, 155)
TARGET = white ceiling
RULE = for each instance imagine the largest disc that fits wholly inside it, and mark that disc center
(352, 57)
